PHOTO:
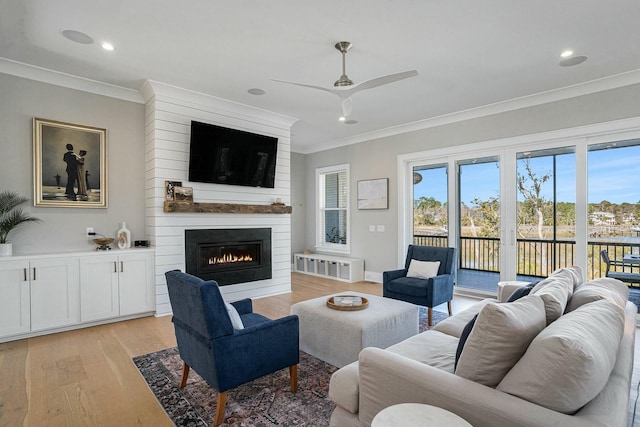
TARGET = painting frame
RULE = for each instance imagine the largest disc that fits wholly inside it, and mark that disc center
(373, 194)
(69, 165)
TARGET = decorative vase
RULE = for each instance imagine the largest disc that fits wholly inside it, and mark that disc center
(124, 237)
(6, 249)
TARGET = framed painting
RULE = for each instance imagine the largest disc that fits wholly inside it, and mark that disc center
(373, 194)
(69, 165)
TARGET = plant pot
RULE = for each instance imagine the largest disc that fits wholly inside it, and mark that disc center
(6, 249)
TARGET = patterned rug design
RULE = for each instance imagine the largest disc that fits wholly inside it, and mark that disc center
(265, 402)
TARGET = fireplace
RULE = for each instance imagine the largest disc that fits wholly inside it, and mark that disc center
(229, 256)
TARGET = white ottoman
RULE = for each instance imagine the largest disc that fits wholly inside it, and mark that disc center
(338, 336)
(416, 414)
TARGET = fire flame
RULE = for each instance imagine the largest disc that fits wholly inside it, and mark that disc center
(227, 259)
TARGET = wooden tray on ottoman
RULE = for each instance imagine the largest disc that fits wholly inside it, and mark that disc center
(347, 302)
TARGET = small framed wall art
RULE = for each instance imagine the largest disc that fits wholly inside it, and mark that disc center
(69, 165)
(170, 189)
(373, 194)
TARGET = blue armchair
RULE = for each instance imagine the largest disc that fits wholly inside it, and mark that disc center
(223, 356)
(426, 292)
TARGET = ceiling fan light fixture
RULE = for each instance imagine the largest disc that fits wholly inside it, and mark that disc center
(342, 118)
(108, 46)
(566, 53)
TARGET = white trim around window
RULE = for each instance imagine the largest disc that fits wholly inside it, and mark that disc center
(333, 185)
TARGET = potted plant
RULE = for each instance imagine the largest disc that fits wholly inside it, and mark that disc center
(10, 217)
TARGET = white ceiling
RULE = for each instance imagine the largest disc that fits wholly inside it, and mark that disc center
(468, 53)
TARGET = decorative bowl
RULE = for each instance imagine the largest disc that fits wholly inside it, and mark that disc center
(103, 241)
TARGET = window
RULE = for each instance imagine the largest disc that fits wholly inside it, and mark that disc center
(333, 209)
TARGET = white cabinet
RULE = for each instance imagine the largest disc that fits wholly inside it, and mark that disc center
(42, 294)
(15, 312)
(38, 294)
(330, 266)
(137, 291)
(55, 293)
(99, 292)
(116, 285)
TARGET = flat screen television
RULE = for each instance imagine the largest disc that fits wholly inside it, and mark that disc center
(221, 155)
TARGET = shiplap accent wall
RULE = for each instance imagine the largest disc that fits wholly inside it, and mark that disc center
(169, 111)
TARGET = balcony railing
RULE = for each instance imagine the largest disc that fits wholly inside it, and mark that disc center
(538, 258)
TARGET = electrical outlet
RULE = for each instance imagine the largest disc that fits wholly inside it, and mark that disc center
(90, 231)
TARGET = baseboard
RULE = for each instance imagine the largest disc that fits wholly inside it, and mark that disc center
(373, 276)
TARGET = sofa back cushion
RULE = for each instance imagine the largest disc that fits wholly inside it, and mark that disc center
(499, 338)
(555, 291)
(570, 361)
(598, 289)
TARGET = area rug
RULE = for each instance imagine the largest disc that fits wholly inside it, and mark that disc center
(265, 402)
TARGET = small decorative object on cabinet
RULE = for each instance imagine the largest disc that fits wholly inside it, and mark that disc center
(330, 266)
(124, 237)
(10, 217)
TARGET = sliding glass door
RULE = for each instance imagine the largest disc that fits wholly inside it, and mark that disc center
(479, 223)
(430, 205)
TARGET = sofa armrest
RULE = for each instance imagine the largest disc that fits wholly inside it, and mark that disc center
(387, 379)
(244, 306)
(388, 276)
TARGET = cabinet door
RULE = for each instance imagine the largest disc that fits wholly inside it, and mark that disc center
(136, 283)
(99, 288)
(14, 298)
(55, 293)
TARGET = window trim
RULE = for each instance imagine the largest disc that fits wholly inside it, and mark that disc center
(320, 244)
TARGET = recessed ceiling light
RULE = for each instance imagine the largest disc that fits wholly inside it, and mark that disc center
(77, 36)
(256, 91)
(107, 46)
(574, 60)
(567, 53)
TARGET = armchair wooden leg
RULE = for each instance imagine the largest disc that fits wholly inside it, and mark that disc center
(222, 401)
(185, 375)
(449, 307)
(429, 316)
(293, 375)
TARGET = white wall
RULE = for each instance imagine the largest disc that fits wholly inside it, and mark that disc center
(377, 159)
(298, 203)
(169, 112)
(63, 229)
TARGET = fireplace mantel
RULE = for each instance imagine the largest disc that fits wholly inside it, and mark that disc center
(191, 207)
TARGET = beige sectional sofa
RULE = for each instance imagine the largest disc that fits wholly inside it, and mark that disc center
(561, 356)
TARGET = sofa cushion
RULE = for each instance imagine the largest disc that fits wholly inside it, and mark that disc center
(423, 269)
(453, 325)
(500, 336)
(431, 347)
(598, 289)
(555, 291)
(570, 361)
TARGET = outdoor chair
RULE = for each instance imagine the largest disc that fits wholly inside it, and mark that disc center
(226, 348)
(620, 275)
(415, 284)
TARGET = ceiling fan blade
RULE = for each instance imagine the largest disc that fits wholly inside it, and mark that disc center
(306, 85)
(379, 81)
(346, 105)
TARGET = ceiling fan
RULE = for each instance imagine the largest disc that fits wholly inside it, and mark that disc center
(344, 86)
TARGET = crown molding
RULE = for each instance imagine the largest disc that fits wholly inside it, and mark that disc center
(44, 75)
(154, 89)
(567, 92)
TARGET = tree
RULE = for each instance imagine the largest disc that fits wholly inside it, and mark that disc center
(530, 186)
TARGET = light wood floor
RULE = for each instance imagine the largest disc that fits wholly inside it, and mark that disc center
(86, 377)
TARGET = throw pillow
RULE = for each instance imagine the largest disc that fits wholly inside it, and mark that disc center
(598, 289)
(555, 291)
(500, 336)
(522, 291)
(463, 338)
(423, 269)
(236, 321)
(569, 363)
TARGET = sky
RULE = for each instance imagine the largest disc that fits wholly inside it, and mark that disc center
(612, 176)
